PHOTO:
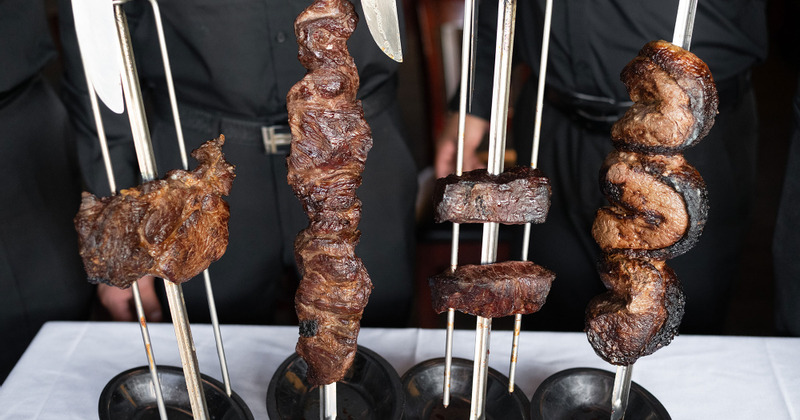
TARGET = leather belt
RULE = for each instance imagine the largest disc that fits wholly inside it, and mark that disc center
(275, 138)
(593, 113)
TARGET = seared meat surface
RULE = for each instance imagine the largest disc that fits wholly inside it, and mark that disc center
(658, 209)
(675, 101)
(330, 141)
(172, 228)
(639, 314)
(492, 290)
(517, 196)
(658, 202)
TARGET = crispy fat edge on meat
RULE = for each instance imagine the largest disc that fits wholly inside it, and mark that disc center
(639, 314)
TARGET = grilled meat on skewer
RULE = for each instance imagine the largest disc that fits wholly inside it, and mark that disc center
(639, 314)
(492, 290)
(675, 101)
(330, 141)
(517, 196)
(172, 228)
(659, 205)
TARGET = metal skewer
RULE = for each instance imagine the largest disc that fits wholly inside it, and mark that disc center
(327, 402)
(684, 23)
(622, 389)
(501, 83)
(147, 166)
(537, 129)
(212, 306)
(137, 297)
(682, 37)
(467, 60)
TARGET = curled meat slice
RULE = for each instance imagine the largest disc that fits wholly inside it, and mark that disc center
(639, 314)
(659, 205)
(172, 228)
(675, 101)
(517, 196)
(492, 290)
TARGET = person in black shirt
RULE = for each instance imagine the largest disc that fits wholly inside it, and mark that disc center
(41, 275)
(233, 63)
(590, 44)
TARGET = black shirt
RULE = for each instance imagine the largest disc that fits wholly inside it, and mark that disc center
(237, 58)
(26, 44)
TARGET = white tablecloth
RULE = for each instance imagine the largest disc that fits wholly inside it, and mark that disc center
(66, 367)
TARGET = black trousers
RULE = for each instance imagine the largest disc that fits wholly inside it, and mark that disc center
(266, 217)
(571, 157)
(41, 274)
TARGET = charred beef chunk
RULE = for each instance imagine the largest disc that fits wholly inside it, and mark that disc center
(330, 141)
(492, 290)
(517, 196)
(659, 205)
(172, 228)
(675, 101)
(639, 314)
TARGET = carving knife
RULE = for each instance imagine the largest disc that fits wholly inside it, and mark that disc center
(383, 23)
(100, 49)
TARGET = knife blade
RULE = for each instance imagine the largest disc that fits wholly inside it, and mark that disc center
(383, 24)
(100, 50)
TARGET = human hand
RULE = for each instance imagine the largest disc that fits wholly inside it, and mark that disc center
(447, 147)
(119, 302)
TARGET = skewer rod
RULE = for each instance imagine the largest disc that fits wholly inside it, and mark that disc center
(183, 333)
(507, 10)
(162, 43)
(212, 306)
(327, 402)
(148, 348)
(537, 129)
(622, 389)
(137, 297)
(448, 359)
(147, 166)
(212, 310)
(512, 368)
(101, 136)
(684, 24)
(133, 98)
(480, 368)
(467, 60)
(465, 92)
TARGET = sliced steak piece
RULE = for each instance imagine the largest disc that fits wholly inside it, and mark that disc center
(517, 196)
(492, 290)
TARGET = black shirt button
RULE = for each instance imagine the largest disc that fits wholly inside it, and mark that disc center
(280, 37)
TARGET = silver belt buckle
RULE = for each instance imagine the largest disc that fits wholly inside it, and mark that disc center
(272, 139)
